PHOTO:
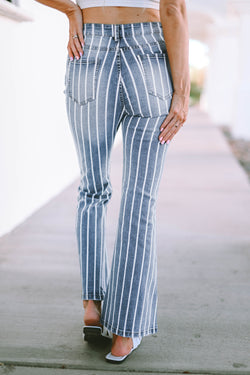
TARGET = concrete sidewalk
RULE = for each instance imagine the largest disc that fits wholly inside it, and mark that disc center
(203, 237)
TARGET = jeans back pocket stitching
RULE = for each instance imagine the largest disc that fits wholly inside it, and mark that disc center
(69, 90)
(148, 77)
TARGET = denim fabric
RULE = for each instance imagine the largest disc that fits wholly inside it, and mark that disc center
(122, 79)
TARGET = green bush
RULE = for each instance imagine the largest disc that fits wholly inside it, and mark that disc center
(195, 93)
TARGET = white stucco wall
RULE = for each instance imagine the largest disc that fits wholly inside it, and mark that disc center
(222, 79)
(37, 155)
(241, 119)
(224, 26)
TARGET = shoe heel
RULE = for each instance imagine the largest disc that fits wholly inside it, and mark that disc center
(91, 333)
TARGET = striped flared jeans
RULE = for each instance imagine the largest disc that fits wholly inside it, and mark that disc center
(122, 79)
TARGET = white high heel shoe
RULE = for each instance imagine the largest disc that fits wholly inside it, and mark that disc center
(115, 359)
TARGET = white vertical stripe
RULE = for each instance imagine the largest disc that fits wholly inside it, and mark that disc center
(160, 30)
(115, 284)
(164, 60)
(114, 268)
(152, 310)
(89, 133)
(106, 96)
(102, 249)
(148, 210)
(143, 35)
(148, 287)
(115, 125)
(97, 112)
(142, 73)
(80, 240)
(100, 171)
(88, 261)
(133, 34)
(79, 81)
(81, 214)
(94, 246)
(156, 301)
(126, 92)
(133, 81)
(97, 134)
(74, 119)
(153, 76)
(138, 229)
(167, 73)
(161, 35)
(146, 296)
(153, 34)
(159, 67)
(151, 288)
(105, 122)
(87, 255)
(131, 183)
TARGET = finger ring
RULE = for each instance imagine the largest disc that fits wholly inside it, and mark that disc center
(75, 36)
(176, 125)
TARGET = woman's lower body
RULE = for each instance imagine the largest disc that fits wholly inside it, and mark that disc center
(122, 79)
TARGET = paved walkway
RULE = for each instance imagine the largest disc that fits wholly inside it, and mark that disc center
(203, 241)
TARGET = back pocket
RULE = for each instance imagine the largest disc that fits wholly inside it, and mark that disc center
(156, 70)
(81, 79)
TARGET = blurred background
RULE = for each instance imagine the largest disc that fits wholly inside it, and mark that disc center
(37, 155)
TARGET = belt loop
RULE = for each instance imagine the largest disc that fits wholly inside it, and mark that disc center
(115, 31)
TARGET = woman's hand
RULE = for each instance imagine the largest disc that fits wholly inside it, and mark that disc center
(175, 119)
(75, 44)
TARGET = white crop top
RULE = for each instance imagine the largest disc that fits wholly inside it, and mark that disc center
(155, 4)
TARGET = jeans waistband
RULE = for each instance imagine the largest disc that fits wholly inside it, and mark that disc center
(121, 30)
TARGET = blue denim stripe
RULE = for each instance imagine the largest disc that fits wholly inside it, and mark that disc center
(123, 79)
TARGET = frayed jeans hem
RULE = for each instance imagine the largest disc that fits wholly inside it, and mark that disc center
(94, 297)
